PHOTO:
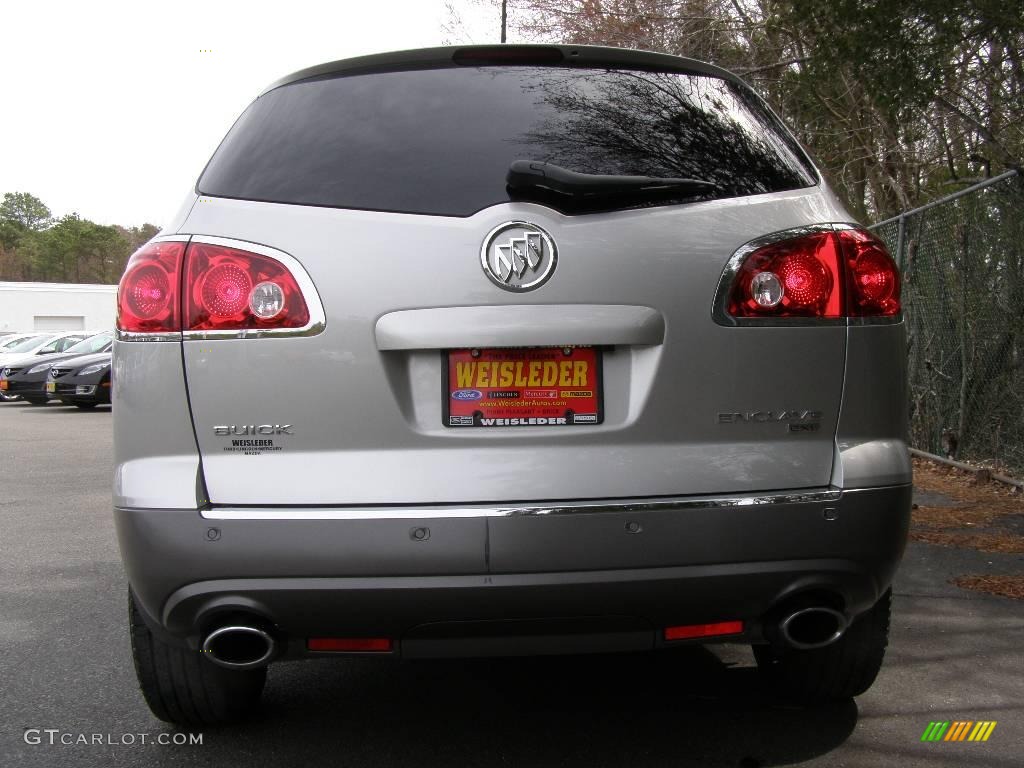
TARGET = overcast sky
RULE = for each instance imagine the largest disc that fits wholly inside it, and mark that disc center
(112, 108)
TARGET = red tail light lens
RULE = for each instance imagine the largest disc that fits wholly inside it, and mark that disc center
(147, 296)
(825, 274)
(231, 289)
(172, 286)
(791, 278)
(874, 278)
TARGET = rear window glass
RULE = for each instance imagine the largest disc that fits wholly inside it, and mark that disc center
(440, 141)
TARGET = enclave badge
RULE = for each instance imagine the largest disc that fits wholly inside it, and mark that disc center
(518, 256)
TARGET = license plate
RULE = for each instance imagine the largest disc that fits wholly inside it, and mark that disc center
(51, 386)
(530, 387)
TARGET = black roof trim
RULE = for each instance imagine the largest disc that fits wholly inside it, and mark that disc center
(571, 56)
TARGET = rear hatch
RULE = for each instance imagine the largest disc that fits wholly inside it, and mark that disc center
(385, 187)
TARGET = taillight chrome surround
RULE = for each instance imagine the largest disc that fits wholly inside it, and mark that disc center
(317, 319)
(720, 309)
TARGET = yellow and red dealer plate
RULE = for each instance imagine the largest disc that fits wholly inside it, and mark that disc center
(528, 387)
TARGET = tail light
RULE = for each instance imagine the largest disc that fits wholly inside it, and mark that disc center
(201, 287)
(825, 273)
(230, 289)
(147, 296)
(874, 279)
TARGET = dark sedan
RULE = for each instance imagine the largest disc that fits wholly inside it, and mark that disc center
(83, 381)
(28, 378)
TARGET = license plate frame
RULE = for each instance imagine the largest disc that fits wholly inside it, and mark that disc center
(522, 404)
(51, 387)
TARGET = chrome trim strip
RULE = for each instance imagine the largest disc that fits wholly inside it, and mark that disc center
(888, 320)
(317, 319)
(813, 496)
(172, 238)
(135, 336)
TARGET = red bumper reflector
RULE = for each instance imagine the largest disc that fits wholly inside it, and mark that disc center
(350, 644)
(704, 630)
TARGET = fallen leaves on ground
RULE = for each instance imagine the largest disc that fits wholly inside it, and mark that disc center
(975, 506)
(1006, 543)
(1004, 586)
(962, 486)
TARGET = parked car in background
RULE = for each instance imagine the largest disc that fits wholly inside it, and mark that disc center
(27, 378)
(591, 359)
(83, 381)
(38, 344)
(8, 343)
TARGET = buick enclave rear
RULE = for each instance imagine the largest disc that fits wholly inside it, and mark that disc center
(488, 351)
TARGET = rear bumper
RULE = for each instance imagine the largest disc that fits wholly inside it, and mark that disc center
(477, 580)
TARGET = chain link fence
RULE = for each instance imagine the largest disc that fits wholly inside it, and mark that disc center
(962, 259)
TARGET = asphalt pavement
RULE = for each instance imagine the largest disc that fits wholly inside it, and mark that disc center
(66, 672)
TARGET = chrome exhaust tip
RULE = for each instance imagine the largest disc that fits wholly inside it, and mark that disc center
(239, 646)
(813, 627)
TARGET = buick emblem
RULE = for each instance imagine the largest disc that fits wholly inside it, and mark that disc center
(518, 256)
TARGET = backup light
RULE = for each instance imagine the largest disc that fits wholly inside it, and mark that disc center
(266, 300)
(767, 289)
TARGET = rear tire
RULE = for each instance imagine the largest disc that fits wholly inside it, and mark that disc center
(182, 687)
(838, 671)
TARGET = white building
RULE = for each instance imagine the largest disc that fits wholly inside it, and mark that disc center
(57, 307)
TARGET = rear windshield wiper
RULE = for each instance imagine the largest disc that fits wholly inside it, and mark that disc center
(549, 183)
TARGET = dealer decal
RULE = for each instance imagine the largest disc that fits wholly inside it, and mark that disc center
(252, 447)
(546, 373)
(522, 387)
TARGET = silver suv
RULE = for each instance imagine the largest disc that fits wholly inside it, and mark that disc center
(487, 351)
